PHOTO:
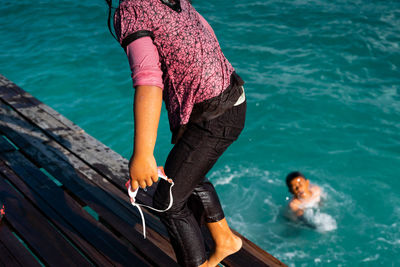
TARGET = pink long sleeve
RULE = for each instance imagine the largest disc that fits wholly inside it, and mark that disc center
(144, 62)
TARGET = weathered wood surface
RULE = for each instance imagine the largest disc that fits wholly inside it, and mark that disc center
(52, 172)
(13, 252)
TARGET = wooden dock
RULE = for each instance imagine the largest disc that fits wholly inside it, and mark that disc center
(65, 199)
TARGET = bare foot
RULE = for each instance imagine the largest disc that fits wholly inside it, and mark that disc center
(223, 250)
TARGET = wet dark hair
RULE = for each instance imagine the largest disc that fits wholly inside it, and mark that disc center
(110, 8)
(291, 176)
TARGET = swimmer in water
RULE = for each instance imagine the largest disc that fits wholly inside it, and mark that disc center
(305, 195)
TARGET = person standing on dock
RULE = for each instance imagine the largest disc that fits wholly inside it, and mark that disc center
(175, 56)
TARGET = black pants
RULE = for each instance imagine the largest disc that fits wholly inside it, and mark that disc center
(187, 164)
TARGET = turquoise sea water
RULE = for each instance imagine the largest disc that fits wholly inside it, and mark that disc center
(323, 91)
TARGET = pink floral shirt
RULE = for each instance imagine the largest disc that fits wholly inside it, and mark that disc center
(193, 65)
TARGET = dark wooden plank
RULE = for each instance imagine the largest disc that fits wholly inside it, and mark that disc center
(26, 136)
(102, 159)
(44, 240)
(15, 128)
(124, 219)
(20, 253)
(160, 236)
(41, 148)
(32, 111)
(5, 146)
(114, 210)
(6, 258)
(67, 215)
(64, 131)
(255, 250)
(74, 140)
(8, 89)
(110, 164)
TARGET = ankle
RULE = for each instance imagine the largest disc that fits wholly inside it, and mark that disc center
(226, 240)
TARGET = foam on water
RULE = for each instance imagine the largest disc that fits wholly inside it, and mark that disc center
(229, 173)
(314, 217)
(321, 221)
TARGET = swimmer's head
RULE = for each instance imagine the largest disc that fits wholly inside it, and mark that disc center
(297, 183)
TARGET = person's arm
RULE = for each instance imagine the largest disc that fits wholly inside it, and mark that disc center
(142, 166)
(147, 79)
(295, 208)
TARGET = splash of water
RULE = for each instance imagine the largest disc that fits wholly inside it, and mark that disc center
(322, 222)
